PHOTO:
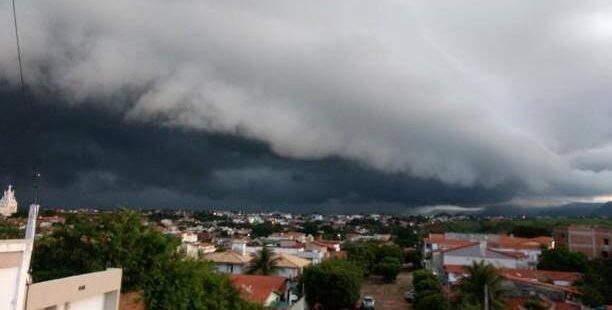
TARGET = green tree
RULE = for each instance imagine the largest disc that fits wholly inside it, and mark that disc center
(389, 250)
(388, 268)
(191, 285)
(428, 294)
(263, 263)
(596, 285)
(116, 239)
(264, 229)
(472, 288)
(362, 254)
(530, 231)
(406, 237)
(561, 259)
(8, 231)
(333, 284)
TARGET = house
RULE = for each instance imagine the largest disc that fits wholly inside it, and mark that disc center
(263, 290)
(475, 252)
(592, 241)
(290, 266)
(529, 249)
(291, 235)
(229, 261)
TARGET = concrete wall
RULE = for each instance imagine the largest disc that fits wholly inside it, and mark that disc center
(91, 291)
(467, 260)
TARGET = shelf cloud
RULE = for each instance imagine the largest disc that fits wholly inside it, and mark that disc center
(475, 95)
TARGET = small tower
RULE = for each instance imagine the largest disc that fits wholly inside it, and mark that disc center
(8, 203)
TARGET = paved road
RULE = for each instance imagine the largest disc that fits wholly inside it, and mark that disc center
(388, 296)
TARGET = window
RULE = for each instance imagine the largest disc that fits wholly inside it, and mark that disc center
(604, 253)
(606, 241)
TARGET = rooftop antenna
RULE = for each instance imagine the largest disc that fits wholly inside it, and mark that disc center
(36, 186)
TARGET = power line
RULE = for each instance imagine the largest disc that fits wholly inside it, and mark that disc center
(36, 177)
(18, 50)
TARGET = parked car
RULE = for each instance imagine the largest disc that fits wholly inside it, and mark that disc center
(368, 303)
(409, 295)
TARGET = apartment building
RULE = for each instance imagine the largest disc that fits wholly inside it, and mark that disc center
(592, 241)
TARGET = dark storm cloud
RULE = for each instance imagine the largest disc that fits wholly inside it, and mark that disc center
(91, 157)
(486, 95)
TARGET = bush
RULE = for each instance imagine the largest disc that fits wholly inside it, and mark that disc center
(333, 284)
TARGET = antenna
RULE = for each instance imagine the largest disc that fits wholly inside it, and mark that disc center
(36, 187)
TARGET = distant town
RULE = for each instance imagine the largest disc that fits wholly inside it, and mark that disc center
(281, 260)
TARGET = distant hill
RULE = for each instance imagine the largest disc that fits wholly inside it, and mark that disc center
(567, 210)
(604, 210)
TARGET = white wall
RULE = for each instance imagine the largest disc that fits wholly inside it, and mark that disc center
(467, 260)
(90, 303)
(229, 268)
(289, 273)
(8, 281)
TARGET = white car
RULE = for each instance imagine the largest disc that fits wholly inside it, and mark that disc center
(409, 295)
(368, 302)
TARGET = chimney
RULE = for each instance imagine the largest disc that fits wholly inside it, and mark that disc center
(483, 248)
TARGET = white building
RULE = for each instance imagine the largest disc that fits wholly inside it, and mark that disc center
(8, 203)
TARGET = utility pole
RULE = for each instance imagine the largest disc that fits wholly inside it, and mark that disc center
(486, 297)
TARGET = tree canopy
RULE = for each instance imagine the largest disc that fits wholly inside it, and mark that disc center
(333, 284)
(191, 285)
(117, 239)
(561, 259)
(148, 258)
(428, 293)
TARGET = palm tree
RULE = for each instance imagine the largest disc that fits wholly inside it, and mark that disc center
(482, 277)
(263, 263)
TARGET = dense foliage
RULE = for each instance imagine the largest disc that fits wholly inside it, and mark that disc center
(428, 294)
(117, 239)
(596, 286)
(388, 268)
(148, 258)
(369, 256)
(333, 284)
(406, 237)
(561, 259)
(264, 229)
(8, 231)
(191, 285)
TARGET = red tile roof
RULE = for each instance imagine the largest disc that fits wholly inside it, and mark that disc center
(524, 243)
(542, 275)
(455, 268)
(257, 288)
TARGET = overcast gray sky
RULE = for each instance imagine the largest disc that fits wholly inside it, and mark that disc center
(477, 94)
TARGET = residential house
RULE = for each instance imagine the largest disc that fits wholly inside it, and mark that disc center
(267, 291)
(229, 261)
(290, 266)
